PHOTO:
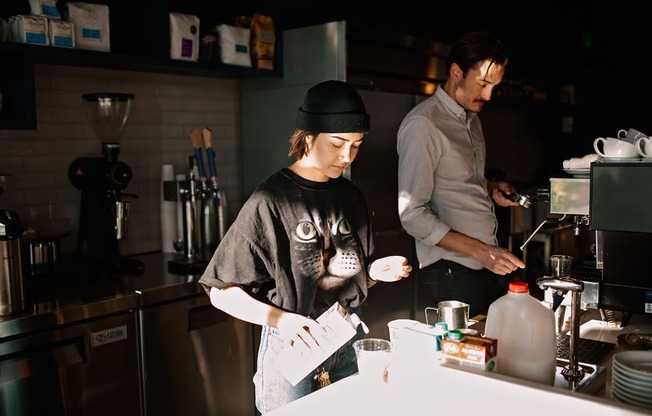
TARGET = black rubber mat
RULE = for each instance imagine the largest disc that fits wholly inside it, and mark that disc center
(589, 351)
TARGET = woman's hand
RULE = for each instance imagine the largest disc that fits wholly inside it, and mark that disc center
(300, 331)
(389, 269)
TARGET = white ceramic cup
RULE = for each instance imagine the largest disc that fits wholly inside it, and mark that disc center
(644, 147)
(611, 147)
(399, 333)
(629, 135)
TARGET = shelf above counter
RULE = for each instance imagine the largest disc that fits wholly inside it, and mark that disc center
(88, 58)
(139, 41)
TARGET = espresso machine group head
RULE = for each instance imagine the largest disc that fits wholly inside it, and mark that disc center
(102, 180)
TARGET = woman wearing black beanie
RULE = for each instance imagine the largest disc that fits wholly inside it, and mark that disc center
(302, 243)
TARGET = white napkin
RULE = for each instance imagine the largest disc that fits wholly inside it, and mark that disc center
(583, 162)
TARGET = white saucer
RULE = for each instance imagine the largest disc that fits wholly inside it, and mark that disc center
(621, 159)
(635, 363)
(580, 173)
(640, 392)
(628, 397)
(632, 374)
(628, 379)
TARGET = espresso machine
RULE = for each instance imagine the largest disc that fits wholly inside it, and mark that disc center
(613, 204)
(104, 212)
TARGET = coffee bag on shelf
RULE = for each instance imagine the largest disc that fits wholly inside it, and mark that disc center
(234, 45)
(61, 33)
(263, 40)
(45, 8)
(31, 29)
(184, 36)
(91, 23)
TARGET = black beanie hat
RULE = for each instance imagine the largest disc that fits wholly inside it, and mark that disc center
(333, 107)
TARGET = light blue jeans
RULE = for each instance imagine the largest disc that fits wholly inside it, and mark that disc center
(272, 388)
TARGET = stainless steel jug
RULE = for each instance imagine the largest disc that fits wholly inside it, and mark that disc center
(12, 295)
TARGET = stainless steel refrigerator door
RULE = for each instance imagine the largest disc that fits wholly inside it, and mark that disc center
(375, 169)
(197, 360)
(87, 369)
(269, 106)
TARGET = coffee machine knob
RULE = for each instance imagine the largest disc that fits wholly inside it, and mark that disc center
(118, 175)
(98, 174)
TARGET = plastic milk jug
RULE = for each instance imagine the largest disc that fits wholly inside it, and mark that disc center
(525, 330)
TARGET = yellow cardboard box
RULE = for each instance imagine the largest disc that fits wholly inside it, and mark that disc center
(472, 351)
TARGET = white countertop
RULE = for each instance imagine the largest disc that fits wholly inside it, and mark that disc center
(447, 390)
(440, 389)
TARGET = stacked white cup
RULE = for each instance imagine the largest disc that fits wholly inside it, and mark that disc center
(619, 148)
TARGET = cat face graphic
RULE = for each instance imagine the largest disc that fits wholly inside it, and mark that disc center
(327, 251)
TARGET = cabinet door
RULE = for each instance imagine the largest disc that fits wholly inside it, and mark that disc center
(197, 360)
(17, 103)
(87, 369)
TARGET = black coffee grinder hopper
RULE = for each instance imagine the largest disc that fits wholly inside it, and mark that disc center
(102, 180)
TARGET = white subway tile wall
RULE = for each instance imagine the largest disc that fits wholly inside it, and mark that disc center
(34, 163)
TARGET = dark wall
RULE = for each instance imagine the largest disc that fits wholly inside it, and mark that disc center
(601, 48)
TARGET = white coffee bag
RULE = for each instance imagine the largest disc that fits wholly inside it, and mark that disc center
(61, 33)
(184, 36)
(91, 23)
(45, 8)
(31, 29)
(234, 45)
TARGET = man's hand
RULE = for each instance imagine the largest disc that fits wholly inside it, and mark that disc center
(499, 260)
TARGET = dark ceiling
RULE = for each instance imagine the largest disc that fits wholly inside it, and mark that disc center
(555, 38)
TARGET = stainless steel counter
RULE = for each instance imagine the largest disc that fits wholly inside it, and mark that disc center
(73, 294)
(169, 350)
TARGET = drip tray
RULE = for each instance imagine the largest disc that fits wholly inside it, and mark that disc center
(592, 382)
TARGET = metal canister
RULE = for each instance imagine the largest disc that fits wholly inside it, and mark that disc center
(41, 254)
(12, 295)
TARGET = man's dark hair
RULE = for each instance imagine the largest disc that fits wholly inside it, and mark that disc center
(474, 47)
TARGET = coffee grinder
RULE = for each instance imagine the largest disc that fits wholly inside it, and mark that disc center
(102, 180)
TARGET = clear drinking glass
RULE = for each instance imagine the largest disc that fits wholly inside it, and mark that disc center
(560, 265)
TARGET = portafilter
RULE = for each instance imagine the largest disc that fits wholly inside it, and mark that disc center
(523, 200)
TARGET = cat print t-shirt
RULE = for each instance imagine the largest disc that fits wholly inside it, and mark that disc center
(297, 244)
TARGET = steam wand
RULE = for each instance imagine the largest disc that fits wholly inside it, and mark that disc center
(544, 222)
